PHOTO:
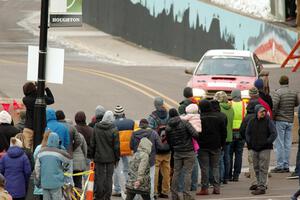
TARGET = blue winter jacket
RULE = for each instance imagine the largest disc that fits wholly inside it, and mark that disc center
(15, 167)
(50, 164)
(57, 127)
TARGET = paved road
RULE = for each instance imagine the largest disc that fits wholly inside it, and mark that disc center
(88, 82)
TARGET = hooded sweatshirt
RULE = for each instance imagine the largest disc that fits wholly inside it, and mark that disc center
(105, 146)
(15, 167)
(226, 108)
(50, 164)
(57, 127)
(82, 127)
(260, 133)
(193, 116)
(139, 168)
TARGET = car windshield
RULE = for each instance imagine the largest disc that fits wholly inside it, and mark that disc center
(224, 65)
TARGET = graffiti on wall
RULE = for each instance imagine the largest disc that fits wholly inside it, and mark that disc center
(188, 28)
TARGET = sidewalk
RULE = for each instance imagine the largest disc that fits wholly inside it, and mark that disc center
(103, 47)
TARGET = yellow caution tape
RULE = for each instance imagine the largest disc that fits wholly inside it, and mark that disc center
(79, 173)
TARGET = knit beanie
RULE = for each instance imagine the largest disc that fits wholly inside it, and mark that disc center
(158, 103)
(259, 84)
(60, 115)
(192, 109)
(236, 95)
(2, 180)
(221, 97)
(205, 106)
(80, 118)
(284, 80)
(188, 92)
(108, 117)
(15, 142)
(119, 110)
(143, 123)
(173, 112)
(99, 111)
(5, 117)
(253, 92)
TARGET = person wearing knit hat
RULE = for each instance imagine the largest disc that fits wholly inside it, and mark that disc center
(125, 127)
(104, 149)
(7, 130)
(119, 111)
(253, 92)
(16, 168)
(284, 102)
(5, 117)
(221, 97)
(99, 112)
(259, 84)
(159, 103)
(188, 95)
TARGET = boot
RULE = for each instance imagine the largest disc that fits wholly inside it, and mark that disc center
(203, 191)
(216, 190)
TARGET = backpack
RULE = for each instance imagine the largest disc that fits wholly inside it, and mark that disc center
(161, 127)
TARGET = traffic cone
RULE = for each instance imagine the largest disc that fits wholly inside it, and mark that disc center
(16, 105)
(90, 187)
(6, 106)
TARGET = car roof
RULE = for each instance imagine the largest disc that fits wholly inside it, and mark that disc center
(228, 52)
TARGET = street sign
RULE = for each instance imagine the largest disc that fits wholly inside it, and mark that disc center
(54, 64)
(65, 13)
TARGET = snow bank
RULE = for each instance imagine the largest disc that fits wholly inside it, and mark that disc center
(257, 8)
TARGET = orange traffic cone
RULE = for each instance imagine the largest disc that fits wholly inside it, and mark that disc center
(90, 187)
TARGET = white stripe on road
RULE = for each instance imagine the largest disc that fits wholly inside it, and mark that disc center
(254, 197)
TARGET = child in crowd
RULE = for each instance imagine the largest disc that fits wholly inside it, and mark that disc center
(3, 193)
(139, 172)
(15, 167)
(50, 165)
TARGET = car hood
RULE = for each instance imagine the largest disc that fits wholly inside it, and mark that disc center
(221, 82)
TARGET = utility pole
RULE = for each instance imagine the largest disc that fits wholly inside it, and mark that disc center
(40, 104)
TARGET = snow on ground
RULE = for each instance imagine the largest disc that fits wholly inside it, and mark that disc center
(257, 8)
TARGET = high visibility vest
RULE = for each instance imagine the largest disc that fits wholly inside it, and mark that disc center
(239, 109)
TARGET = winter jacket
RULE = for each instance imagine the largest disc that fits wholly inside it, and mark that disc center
(51, 163)
(80, 155)
(29, 102)
(4, 195)
(157, 118)
(104, 146)
(6, 132)
(125, 128)
(74, 136)
(179, 135)
(214, 131)
(267, 98)
(57, 127)
(86, 131)
(226, 108)
(194, 119)
(153, 137)
(260, 133)
(16, 169)
(284, 102)
(183, 105)
(139, 168)
(37, 190)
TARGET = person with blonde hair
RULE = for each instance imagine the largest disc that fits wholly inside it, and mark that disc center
(4, 195)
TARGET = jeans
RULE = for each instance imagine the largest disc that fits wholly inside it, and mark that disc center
(221, 168)
(152, 178)
(227, 161)
(251, 169)
(283, 143)
(162, 165)
(117, 174)
(182, 161)
(209, 159)
(261, 162)
(297, 170)
(236, 151)
(69, 179)
(103, 180)
(195, 174)
(53, 194)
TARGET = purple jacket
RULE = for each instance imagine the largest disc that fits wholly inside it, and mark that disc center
(15, 167)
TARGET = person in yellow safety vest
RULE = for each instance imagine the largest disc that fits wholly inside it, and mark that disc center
(237, 145)
(125, 127)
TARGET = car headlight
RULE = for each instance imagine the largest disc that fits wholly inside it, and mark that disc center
(245, 94)
(199, 92)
